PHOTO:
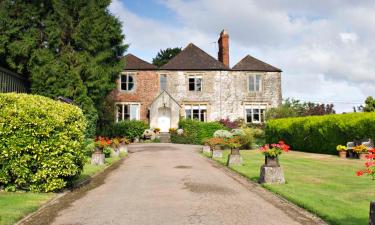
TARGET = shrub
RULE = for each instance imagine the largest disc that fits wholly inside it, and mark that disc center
(195, 132)
(223, 134)
(41, 142)
(129, 128)
(321, 134)
(247, 139)
(89, 147)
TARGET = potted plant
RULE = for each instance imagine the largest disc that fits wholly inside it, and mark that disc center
(342, 151)
(157, 130)
(234, 157)
(98, 156)
(216, 144)
(272, 152)
(360, 151)
(116, 142)
(124, 145)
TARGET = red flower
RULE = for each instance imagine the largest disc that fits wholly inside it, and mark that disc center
(359, 173)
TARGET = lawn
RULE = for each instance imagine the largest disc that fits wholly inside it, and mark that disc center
(322, 184)
(16, 205)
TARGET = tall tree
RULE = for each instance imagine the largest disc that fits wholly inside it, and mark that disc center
(369, 104)
(66, 48)
(164, 56)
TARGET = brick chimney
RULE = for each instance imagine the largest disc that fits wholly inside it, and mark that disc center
(223, 54)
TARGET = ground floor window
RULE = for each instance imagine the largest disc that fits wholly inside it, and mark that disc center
(198, 112)
(127, 111)
(255, 113)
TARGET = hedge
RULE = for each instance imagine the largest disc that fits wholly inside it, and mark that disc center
(321, 134)
(130, 129)
(40, 143)
(195, 132)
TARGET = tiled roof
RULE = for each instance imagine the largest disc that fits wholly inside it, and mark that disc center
(194, 58)
(132, 62)
(250, 63)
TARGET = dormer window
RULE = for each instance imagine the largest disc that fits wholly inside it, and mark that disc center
(195, 83)
(126, 82)
(255, 82)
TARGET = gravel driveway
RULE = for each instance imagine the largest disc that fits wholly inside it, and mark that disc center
(172, 184)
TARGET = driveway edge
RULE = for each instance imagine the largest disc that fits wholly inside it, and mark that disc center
(292, 210)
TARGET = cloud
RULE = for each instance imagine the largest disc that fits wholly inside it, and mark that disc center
(324, 47)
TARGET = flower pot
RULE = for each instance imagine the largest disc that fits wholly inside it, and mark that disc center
(362, 156)
(342, 154)
(206, 149)
(97, 158)
(115, 152)
(271, 161)
(217, 153)
(234, 157)
(124, 148)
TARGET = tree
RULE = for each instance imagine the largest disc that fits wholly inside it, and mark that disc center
(66, 48)
(164, 56)
(369, 104)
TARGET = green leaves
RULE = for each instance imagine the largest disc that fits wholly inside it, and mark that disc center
(41, 142)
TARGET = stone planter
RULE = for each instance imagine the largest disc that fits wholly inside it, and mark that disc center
(271, 172)
(124, 148)
(217, 152)
(234, 157)
(97, 158)
(342, 154)
(206, 149)
(372, 213)
(115, 152)
(362, 156)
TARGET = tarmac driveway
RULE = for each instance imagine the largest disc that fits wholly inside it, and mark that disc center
(173, 184)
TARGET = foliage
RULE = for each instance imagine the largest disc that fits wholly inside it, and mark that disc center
(369, 105)
(116, 142)
(164, 56)
(360, 149)
(102, 142)
(107, 151)
(274, 150)
(65, 48)
(223, 134)
(341, 148)
(369, 165)
(296, 108)
(157, 130)
(195, 132)
(237, 132)
(247, 139)
(321, 134)
(233, 142)
(41, 142)
(212, 142)
(229, 124)
(130, 129)
(89, 147)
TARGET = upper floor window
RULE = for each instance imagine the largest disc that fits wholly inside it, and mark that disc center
(255, 82)
(197, 112)
(195, 83)
(126, 82)
(163, 82)
(127, 111)
(255, 113)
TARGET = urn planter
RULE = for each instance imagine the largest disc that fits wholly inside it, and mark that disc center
(271, 172)
(342, 154)
(234, 157)
(206, 149)
(97, 158)
(115, 152)
(217, 152)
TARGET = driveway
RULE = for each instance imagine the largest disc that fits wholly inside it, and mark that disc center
(172, 184)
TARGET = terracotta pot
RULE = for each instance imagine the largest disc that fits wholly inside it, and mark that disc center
(362, 156)
(342, 154)
(271, 161)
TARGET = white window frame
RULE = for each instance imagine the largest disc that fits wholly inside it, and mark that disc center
(253, 106)
(200, 107)
(127, 82)
(254, 77)
(137, 117)
(195, 77)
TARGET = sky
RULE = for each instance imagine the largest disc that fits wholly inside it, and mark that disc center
(326, 48)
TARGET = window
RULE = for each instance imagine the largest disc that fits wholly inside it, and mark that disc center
(197, 112)
(255, 82)
(163, 82)
(127, 111)
(126, 82)
(195, 83)
(255, 113)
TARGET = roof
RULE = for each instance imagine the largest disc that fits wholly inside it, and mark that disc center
(250, 63)
(132, 62)
(194, 58)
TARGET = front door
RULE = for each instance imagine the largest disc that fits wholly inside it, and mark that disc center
(164, 119)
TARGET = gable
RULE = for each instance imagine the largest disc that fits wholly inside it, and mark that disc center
(250, 63)
(134, 63)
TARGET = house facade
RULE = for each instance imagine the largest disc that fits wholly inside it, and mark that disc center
(195, 85)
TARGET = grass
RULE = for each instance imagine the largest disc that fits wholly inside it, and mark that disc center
(15, 205)
(322, 184)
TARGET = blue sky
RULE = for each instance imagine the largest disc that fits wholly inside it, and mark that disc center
(324, 47)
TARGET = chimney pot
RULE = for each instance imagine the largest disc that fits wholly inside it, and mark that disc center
(223, 54)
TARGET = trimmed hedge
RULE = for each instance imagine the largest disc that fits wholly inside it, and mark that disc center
(40, 143)
(321, 134)
(195, 132)
(130, 129)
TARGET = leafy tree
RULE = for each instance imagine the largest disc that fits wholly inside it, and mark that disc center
(66, 48)
(369, 104)
(164, 56)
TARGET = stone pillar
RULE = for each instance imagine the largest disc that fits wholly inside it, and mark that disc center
(271, 175)
(217, 152)
(124, 148)
(234, 157)
(372, 213)
(206, 149)
(115, 152)
(97, 158)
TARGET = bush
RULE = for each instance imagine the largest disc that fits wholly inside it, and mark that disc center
(321, 134)
(41, 142)
(128, 128)
(222, 134)
(247, 139)
(195, 132)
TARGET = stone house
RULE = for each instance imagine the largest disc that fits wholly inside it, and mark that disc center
(196, 85)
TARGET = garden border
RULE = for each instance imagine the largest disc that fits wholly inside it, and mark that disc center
(66, 191)
(292, 210)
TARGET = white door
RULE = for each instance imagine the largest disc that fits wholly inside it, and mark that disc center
(164, 119)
